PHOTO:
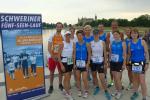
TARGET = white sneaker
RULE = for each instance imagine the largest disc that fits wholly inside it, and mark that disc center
(69, 97)
(114, 94)
(118, 96)
(85, 95)
(79, 93)
(64, 92)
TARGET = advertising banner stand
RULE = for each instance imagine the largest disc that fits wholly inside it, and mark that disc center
(22, 48)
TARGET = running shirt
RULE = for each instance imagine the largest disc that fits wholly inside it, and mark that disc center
(81, 54)
(117, 51)
(11, 66)
(137, 51)
(56, 40)
(33, 59)
(97, 51)
(67, 53)
(8, 59)
(24, 58)
(81, 51)
(88, 39)
(103, 37)
(15, 59)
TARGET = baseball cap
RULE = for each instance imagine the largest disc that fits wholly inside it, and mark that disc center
(67, 33)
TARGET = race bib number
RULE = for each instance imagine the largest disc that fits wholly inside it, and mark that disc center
(64, 60)
(97, 59)
(80, 63)
(114, 57)
(137, 69)
(69, 61)
(56, 48)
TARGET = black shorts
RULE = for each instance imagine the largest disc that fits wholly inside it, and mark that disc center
(142, 64)
(68, 68)
(81, 69)
(116, 66)
(97, 67)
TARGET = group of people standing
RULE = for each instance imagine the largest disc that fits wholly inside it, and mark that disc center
(88, 51)
(20, 62)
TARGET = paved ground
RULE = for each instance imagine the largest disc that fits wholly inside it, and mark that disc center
(57, 95)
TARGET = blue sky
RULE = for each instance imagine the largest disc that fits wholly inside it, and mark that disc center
(70, 10)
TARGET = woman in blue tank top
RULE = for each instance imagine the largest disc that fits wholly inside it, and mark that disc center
(82, 54)
(117, 61)
(138, 53)
(88, 37)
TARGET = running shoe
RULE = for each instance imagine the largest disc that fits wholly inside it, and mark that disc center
(50, 90)
(118, 96)
(61, 87)
(107, 95)
(79, 93)
(96, 91)
(85, 95)
(134, 96)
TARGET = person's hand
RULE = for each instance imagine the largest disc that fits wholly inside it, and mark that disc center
(105, 65)
(62, 67)
(74, 67)
(108, 64)
(146, 67)
(53, 56)
(87, 66)
(123, 66)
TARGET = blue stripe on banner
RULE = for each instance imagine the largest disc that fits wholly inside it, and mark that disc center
(26, 94)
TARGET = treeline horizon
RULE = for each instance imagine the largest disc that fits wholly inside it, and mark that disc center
(141, 21)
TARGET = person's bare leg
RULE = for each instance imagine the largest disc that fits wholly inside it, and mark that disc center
(74, 73)
(85, 80)
(51, 78)
(78, 78)
(143, 85)
(95, 80)
(118, 81)
(66, 82)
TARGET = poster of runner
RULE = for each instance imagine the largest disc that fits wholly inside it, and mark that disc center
(22, 47)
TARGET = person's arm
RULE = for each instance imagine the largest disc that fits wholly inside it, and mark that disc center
(50, 49)
(109, 53)
(60, 51)
(59, 58)
(89, 54)
(50, 42)
(129, 53)
(108, 42)
(146, 54)
(74, 55)
(124, 54)
(105, 55)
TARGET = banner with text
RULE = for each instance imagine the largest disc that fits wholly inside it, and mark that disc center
(22, 47)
